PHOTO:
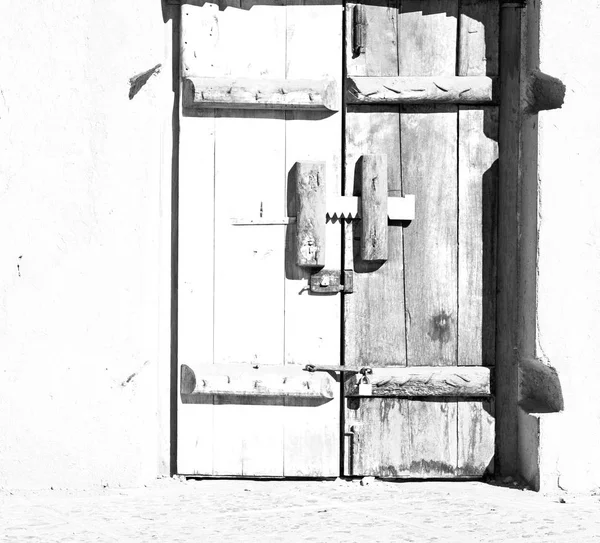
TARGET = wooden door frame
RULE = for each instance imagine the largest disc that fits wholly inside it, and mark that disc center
(517, 213)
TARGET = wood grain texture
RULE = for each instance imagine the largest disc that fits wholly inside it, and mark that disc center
(479, 38)
(374, 208)
(379, 54)
(398, 438)
(429, 165)
(425, 381)
(475, 438)
(477, 233)
(420, 90)
(374, 313)
(309, 180)
(427, 32)
(260, 93)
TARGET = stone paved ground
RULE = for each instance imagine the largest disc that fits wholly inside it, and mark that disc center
(328, 511)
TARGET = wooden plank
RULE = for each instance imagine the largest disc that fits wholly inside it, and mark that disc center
(250, 166)
(475, 438)
(449, 381)
(377, 444)
(427, 31)
(420, 90)
(246, 93)
(312, 323)
(252, 380)
(429, 156)
(398, 438)
(427, 46)
(378, 56)
(309, 180)
(374, 313)
(507, 315)
(478, 187)
(374, 212)
(478, 41)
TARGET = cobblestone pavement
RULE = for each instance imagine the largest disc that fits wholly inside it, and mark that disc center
(328, 511)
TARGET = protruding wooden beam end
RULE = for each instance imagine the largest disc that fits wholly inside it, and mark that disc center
(543, 92)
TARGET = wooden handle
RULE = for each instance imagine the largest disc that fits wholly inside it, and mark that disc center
(374, 239)
(310, 213)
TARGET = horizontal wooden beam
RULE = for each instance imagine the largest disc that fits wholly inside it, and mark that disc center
(247, 380)
(452, 381)
(420, 90)
(260, 93)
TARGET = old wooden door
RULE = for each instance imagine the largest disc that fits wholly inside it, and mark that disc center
(262, 110)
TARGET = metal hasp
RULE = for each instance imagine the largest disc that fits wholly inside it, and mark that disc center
(330, 282)
(365, 370)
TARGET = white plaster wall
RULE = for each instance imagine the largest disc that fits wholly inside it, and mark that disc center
(569, 244)
(82, 168)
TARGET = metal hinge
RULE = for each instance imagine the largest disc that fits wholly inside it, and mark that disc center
(332, 281)
(359, 30)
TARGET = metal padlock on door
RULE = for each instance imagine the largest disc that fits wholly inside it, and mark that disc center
(365, 388)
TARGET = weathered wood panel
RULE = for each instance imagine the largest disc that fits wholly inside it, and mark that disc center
(398, 438)
(427, 31)
(425, 381)
(247, 439)
(246, 93)
(374, 208)
(478, 42)
(427, 46)
(429, 165)
(420, 90)
(374, 313)
(379, 28)
(478, 186)
(312, 323)
(475, 438)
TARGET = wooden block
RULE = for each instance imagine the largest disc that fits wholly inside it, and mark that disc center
(247, 380)
(425, 381)
(374, 239)
(310, 213)
(260, 93)
(420, 90)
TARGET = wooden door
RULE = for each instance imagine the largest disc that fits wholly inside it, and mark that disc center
(261, 104)
(261, 92)
(424, 320)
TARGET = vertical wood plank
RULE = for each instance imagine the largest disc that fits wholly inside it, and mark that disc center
(478, 185)
(475, 438)
(509, 179)
(374, 195)
(309, 180)
(429, 166)
(427, 31)
(374, 313)
(249, 279)
(380, 32)
(312, 323)
(479, 30)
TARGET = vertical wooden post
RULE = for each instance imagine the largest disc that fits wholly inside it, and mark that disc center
(310, 213)
(507, 316)
(374, 224)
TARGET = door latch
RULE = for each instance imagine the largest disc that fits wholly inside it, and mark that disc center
(331, 282)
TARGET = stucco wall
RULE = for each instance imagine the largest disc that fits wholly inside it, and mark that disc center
(568, 291)
(82, 242)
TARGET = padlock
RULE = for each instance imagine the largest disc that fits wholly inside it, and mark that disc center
(365, 388)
